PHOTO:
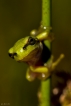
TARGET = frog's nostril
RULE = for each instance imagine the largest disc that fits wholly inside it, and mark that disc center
(15, 54)
(12, 55)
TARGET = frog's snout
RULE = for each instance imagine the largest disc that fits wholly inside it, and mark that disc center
(12, 55)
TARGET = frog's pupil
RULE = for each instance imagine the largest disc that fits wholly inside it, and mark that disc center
(31, 40)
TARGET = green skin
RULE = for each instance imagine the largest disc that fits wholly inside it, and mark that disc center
(31, 54)
(22, 53)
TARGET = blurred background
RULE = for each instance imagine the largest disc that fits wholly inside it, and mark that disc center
(17, 19)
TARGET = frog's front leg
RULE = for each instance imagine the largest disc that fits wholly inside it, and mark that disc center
(54, 64)
(30, 76)
(51, 66)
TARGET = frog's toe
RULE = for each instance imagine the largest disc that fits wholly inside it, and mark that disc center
(43, 76)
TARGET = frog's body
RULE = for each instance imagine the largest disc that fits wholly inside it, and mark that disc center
(37, 69)
(33, 51)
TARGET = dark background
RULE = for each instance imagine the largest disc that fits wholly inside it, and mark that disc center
(17, 19)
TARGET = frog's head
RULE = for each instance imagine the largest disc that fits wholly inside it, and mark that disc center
(25, 48)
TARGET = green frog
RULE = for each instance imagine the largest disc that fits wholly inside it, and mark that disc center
(33, 50)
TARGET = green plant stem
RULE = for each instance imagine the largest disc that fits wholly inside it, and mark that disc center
(46, 85)
(46, 12)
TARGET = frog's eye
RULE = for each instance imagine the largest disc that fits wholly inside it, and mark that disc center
(32, 41)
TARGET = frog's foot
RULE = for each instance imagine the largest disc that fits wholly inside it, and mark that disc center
(54, 64)
(51, 36)
(30, 76)
(44, 27)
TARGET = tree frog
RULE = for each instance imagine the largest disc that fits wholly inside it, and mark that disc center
(32, 50)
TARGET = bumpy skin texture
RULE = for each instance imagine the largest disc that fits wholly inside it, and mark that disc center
(33, 51)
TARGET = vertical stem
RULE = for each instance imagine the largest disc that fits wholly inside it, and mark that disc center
(45, 92)
(46, 12)
(45, 85)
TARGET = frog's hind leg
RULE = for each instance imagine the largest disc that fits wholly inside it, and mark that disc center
(30, 76)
